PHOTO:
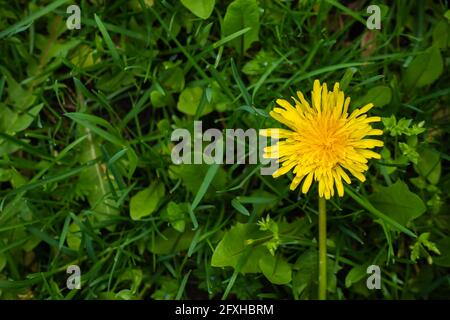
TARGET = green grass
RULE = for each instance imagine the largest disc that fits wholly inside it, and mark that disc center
(85, 123)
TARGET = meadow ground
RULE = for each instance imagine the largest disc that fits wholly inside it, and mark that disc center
(87, 178)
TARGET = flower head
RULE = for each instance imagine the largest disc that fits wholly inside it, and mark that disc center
(324, 142)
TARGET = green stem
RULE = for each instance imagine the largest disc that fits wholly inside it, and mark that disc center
(322, 249)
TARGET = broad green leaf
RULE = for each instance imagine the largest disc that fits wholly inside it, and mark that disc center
(441, 34)
(444, 247)
(146, 201)
(297, 227)
(429, 165)
(259, 64)
(219, 99)
(17, 179)
(20, 98)
(275, 269)
(168, 289)
(235, 244)
(5, 175)
(7, 118)
(160, 100)
(74, 236)
(175, 214)
(355, 275)
(132, 275)
(24, 120)
(190, 100)
(84, 56)
(424, 69)
(242, 14)
(397, 202)
(201, 8)
(379, 96)
(172, 77)
(171, 241)
(305, 279)
(12, 122)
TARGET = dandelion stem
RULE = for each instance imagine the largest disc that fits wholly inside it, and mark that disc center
(322, 249)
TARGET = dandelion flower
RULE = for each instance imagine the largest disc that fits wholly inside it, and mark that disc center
(325, 143)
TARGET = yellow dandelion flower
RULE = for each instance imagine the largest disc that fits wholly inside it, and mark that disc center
(325, 142)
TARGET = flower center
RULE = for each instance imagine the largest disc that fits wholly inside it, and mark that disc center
(330, 145)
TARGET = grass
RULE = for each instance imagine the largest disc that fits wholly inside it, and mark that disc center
(85, 123)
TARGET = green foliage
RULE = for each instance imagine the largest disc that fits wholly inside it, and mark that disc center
(191, 100)
(170, 241)
(398, 202)
(441, 34)
(270, 225)
(175, 214)
(422, 246)
(243, 245)
(402, 126)
(146, 201)
(276, 269)
(355, 275)
(201, 8)
(425, 68)
(379, 96)
(242, 14)
(86, 117)
(305, 278)
(235, 249)
(429, 165)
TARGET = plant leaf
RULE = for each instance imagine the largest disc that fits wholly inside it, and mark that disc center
(241, 14)
(355, 275)
(171, 241)
(397, 202)
(190, 99)
(201, 8)
(429, 165)
(379, 96)
(424, 69)
(276, 269)
(146, 201)
(234, 244)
